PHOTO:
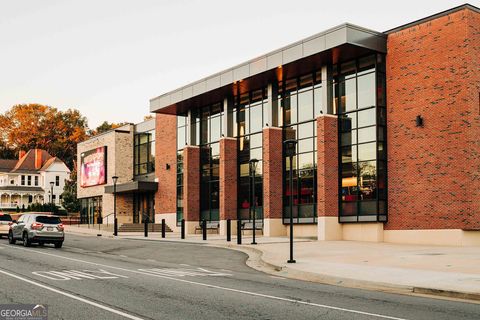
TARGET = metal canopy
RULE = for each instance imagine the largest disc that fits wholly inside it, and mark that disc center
(331, 46)
(133, 187)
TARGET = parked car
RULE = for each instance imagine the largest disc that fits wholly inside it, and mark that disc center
(5, 221)
(38, 228)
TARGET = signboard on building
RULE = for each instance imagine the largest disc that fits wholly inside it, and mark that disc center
(93, 167)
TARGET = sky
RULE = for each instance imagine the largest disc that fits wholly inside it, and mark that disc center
(108, 58)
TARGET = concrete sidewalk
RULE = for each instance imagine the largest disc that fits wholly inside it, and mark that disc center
(440, 270)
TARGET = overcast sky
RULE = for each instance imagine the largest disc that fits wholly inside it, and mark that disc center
(107, 58)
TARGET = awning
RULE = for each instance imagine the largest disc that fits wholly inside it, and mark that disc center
(133, 187)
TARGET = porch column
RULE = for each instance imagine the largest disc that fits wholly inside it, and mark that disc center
(228, 184)
(272, 182)
(327, 178)
(191, 185)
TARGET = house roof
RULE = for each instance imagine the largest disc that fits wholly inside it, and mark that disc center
(7, 164)
(27, 162)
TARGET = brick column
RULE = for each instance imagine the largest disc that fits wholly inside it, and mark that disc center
(228, 183)
(191, 187)
(327, 178)
(272, 182)
(165, 168)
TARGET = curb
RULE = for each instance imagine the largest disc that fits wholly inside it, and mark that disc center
(255, 260)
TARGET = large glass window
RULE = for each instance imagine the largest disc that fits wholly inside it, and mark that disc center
(90, 210)
(144, 153)
(301, 103)
(181, 142)
(359, 101)
(210, 132)
(250, 108)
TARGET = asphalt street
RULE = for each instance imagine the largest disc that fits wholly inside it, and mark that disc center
(103, 278)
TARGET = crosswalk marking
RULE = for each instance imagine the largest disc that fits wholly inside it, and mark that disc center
(185, 272)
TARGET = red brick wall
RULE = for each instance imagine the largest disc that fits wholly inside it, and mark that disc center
(166, 153)
(434, 171)
(327, 166)
(228, 178)
(191, 183)
(272, 173)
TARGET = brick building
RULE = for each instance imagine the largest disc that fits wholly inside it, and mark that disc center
(387, 126)
(126, 152)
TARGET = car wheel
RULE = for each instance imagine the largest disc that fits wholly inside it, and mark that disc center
(59, 244)
(10, 238)
(41, 244)
(26, 241)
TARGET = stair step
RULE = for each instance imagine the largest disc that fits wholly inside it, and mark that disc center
(139, 227)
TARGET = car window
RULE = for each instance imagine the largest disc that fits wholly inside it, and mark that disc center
(21, 219)
(5, 217)
(48, 220)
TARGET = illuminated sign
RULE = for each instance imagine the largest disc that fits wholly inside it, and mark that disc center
(93, 167)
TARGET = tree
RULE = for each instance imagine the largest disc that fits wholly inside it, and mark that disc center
(30, 126)
(104, 127)
(69, 195)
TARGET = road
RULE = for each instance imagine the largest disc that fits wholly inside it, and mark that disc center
(102, 278)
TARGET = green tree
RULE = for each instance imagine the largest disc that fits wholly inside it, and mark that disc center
(69, 195)
(104, 127)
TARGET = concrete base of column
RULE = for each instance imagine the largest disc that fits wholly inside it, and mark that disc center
(274, 228)
(170, 220)
(329, 229)
(191, 226)
(223, 227)
(363, 232)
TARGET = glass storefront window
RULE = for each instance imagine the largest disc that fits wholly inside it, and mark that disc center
(362, 134)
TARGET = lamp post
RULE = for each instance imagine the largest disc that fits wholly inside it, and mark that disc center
(290, 148)
(115, 223)
(253, 169)
(51, 192)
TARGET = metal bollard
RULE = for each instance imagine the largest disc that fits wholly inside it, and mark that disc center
(163, 228)
(146, 228)
(229, 230)
(204, 229)
(239, 231)
(183, 228)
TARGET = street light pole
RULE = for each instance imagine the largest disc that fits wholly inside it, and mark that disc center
(115, 222)
(253, 168)
(51, 192)
(290, 148)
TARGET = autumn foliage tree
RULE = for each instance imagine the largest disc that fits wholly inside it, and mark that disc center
(29, 126)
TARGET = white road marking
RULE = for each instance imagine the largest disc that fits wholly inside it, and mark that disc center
(255, 294)
(122, 255)
(184, 272)
(184, 264)
(152, 260)
(78, 275)
(95, 304)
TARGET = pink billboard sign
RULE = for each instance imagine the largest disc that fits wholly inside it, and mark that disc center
(93, 167)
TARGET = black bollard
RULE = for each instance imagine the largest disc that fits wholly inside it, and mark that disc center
(229, 230)
(183, 228)
(146, 227)
(163, 228)
(204, 229)
(239, 231)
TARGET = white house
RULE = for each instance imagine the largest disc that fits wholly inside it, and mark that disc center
(31, 179)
